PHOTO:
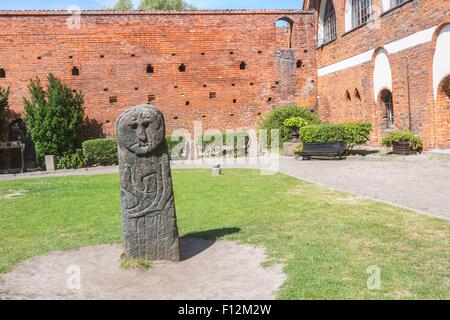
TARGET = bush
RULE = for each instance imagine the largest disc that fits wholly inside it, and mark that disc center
(74, 160)
(238, 138)
(295, 122)
(101, 152)
(53, 118)
(352, 133)
(175, 145)
(322, 133)
(276, 118)
(356, 133)
(403, 136)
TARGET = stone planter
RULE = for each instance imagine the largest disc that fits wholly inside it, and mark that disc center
(295, 134)
(289, 148)
(403, 148)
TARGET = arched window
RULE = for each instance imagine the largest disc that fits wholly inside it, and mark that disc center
(284, 32)
(388, 108)
(361, 12)
(329, 22)
(357, 95)
(358, 106)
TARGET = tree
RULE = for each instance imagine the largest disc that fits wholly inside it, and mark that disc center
(53, 117)
(123, 5)
(165, 5)
(4, 97)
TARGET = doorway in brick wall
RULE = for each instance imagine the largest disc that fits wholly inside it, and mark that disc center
(17, 131)
(443, 115)
(387, 109)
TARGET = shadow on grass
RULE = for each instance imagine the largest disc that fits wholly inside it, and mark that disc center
(195, 243)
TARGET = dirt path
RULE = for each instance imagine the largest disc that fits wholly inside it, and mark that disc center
(209, 270)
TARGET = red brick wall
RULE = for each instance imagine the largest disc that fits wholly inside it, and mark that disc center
(412, 17)
(112, 50)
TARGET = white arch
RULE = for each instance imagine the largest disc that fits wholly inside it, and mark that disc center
(348, 15)
(441, 59)
(382, 74)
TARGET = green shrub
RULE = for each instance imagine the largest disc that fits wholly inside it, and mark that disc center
(101, 152)
(74, 160)
(356, 133)
(322, 133)
(176, 145)
(276, 118)
(53, 117)
(403, 136)
(352, 133)
(236, 140)
(295, 122)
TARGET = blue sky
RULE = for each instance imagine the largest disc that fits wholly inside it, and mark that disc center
(99, 4)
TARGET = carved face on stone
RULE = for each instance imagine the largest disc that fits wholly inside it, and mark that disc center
(141, 130)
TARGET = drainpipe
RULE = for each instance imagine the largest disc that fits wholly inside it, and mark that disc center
(409, 93)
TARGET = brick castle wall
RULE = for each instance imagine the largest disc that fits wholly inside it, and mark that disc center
(112, 52)
(427, 119)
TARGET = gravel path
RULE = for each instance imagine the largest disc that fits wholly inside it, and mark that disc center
(419, 185)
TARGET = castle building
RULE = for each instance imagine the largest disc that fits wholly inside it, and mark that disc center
(383, 61)
(387, 62)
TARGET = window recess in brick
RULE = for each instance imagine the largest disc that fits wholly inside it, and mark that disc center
(75, 71)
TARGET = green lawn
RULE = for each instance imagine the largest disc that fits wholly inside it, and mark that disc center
(326, 239)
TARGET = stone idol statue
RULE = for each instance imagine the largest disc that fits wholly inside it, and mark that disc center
(148, 208)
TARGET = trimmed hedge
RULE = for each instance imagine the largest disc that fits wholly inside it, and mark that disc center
(101, 152)
(356, 133)
(237, 137)
(322, 133)
(74, 160)
(352, 133)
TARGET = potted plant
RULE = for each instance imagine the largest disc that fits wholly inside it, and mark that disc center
(295, 124)
(403, 142)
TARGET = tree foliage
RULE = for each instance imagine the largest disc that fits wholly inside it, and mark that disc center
(4, 97)
(123, 5)
(165, 5)
(53, 117)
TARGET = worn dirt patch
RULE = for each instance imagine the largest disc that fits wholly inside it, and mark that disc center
(209, 270)
(13, 194)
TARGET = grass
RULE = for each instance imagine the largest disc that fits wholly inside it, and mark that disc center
(137, 264)
(327, 240)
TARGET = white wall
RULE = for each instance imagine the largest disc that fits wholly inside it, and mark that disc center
(382, 74)
(441, 60)
(348, 15)
(386, 5)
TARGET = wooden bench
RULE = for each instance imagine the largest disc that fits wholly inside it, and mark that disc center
(327, 149)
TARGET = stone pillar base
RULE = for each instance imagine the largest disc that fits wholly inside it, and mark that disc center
(289, 148)
(50, 163)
